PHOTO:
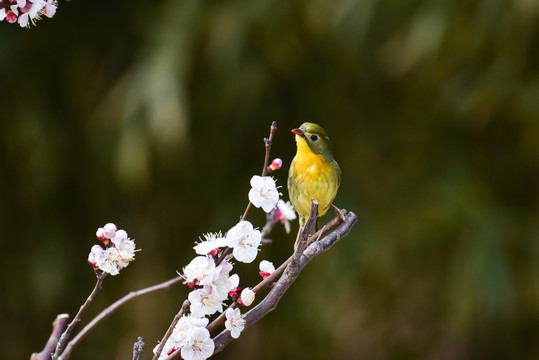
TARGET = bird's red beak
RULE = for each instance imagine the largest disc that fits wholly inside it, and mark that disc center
(298, 132)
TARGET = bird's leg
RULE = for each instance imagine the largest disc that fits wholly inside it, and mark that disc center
(341, 213)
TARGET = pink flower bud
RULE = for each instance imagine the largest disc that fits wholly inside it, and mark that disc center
(276, 164)
(110, 230)
(100, 233)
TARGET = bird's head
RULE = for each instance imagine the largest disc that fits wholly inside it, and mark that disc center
(316, 138)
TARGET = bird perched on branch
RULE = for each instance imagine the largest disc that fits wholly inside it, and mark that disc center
(314, 173)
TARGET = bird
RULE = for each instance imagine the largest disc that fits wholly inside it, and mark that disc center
(313, 173)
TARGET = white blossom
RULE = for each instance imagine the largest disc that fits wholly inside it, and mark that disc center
(263, 193)
(200, 271)
(199, 345)
(244, 240)
(32, 13)
(234, 322)
(285, 212)
(125, 246)
(110, 261)
(183, 328)
(117, 254)
(205, 302)
(224, 283)
(211, 242)
(50, 8)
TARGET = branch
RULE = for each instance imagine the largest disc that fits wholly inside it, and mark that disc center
(177, 318)
(65, 336)
(267, 143)
(138, 348)
(269, 303)
(214, 325)
(58, 327)
(109, 310)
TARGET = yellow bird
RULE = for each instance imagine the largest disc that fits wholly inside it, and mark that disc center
(314, 173)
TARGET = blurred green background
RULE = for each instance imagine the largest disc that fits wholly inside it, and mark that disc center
(151, 114)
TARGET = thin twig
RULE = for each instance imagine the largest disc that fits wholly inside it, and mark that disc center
(177, 318)
(271, 221)
(138, 349)
(58, 327)
(65, 336)
(267, 144)
(110, 309)
(269, 303)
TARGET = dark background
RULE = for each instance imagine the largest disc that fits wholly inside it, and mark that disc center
(151, 114)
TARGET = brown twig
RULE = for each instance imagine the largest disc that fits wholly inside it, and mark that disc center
(110, 309)
(138, 349)
(67, 333)
(269, 303)
(177, 318)
(58, 327)
(267, 143)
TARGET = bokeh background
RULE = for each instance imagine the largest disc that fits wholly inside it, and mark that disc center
(151, 114)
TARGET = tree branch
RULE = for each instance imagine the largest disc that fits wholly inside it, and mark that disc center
(138, 348)
(185, 307)
(267, 143)
(65, 336)
(269, 303)
(110, 309)
(58, 327)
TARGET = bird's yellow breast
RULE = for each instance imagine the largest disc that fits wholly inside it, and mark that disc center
(309, 166)
(311, 177)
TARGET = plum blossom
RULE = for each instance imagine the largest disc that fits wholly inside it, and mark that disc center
(116, 255)
(183, 328)
(205, 302)
(199, 345)
(212, 241)
(181, 334)
(234, 322)
(31, 14)
(285, 212)
(244, 240)
(10, 13)
(200, 271)
(263, 193)
(26, 12)
(50, 8)
(125, 246)
(223, 282)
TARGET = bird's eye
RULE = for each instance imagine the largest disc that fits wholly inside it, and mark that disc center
(314, 137)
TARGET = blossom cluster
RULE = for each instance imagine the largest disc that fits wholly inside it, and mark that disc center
(213, 283)
(26, 11)
(117, 253)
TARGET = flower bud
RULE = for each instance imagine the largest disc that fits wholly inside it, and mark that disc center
(276, 164)
(247, 297)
